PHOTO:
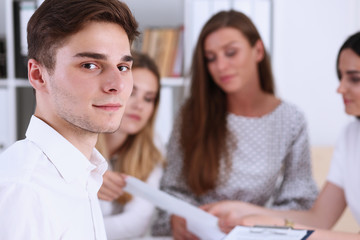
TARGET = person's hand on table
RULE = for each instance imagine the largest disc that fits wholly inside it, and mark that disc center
(112, 187)
(179, 229)
(228, 212)
(252, 220)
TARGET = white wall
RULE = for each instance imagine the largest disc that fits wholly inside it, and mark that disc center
(162, 13)
(307, 36)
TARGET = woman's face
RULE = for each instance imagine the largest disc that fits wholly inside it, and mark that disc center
(349, 88)
(231, 60)
(140, 106)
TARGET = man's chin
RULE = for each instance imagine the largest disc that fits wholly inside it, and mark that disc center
(111, 129)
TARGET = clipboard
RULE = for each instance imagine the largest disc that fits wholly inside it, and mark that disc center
(268, 233)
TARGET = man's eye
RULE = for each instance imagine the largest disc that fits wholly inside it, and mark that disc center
(123, 68)
(89, 66)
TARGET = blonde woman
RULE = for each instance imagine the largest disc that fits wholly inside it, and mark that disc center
(131, 150)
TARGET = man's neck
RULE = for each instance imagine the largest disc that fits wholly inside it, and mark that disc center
(83, 140)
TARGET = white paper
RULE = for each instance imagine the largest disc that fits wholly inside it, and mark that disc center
(199, 222)
(268, 233)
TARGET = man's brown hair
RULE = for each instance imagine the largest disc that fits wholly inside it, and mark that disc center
(55, 20)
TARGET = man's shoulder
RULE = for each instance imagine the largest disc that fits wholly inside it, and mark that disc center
(19, 160)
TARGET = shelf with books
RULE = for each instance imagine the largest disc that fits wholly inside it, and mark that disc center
(166, 46)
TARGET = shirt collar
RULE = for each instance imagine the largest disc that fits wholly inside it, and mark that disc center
(67, 159)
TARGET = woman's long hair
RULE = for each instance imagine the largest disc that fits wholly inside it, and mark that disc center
(204, 134)
(138, 156)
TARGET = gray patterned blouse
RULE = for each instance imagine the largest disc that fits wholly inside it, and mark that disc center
(270, 166)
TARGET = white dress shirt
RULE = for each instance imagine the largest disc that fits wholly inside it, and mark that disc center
(48, 188)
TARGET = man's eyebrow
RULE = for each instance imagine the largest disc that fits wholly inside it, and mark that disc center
(97, 56)
(127, 58)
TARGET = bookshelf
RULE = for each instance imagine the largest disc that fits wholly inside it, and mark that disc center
(169, 16)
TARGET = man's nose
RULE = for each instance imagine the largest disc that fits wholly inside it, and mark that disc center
(114, 82)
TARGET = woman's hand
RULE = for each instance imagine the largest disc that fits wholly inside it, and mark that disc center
(252, 220)
(179, 229)
(230, 213)
(112, 187)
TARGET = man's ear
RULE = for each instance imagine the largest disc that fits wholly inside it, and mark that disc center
(260, 50)
(37, 75)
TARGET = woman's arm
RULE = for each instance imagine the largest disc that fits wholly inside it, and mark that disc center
(326, 211)
(298, 190)
(330, 235)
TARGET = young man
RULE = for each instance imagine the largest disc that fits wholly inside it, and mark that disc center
(80, 67)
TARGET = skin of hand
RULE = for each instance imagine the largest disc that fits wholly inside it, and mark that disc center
(179, 229)
(230, 213)
(112, 187)
(252, 220)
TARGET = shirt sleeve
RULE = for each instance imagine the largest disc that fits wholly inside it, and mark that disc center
(298, 189)
(136, 216)
(22, 215)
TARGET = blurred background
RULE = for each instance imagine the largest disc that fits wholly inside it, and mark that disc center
(302, 37)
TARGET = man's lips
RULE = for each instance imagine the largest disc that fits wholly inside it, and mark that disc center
(109, 106)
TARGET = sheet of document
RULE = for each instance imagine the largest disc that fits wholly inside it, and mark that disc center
(199, 222)
(268, 233)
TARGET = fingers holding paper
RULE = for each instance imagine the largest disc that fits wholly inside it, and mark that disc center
(179, 229)
(231, 213)
(112, 187)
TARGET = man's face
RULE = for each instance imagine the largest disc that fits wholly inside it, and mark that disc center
(92, 79)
